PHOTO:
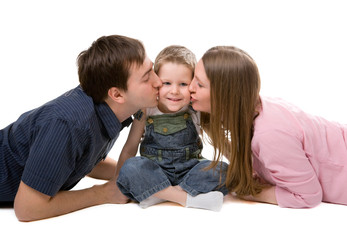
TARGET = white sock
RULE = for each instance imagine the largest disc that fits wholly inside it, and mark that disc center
(150, 201)
(210, 201)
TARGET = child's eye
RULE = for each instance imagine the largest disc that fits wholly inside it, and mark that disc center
(166, 83)
(184, 84)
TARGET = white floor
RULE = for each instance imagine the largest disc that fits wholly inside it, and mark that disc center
(237, 220)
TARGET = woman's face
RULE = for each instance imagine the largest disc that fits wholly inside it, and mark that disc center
(200, 89)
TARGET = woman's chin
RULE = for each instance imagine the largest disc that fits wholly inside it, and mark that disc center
(195, 106)
(199, 108)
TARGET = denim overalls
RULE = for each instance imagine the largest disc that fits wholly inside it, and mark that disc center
(170, 155)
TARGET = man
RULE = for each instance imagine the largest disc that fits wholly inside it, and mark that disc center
(49, 149)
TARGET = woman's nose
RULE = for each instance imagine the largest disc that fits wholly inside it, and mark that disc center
(192, 86)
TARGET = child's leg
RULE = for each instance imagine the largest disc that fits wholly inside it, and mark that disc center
(173, 194)
(150, 201)
(198, 180)
(205, 188)
(210, 201)
(201, 187)
(140, 177)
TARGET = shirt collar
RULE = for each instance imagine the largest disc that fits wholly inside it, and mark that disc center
(110, 120)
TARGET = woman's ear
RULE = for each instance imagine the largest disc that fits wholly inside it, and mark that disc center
(116, 95)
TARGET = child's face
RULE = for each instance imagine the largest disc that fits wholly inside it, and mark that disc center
(174, 93)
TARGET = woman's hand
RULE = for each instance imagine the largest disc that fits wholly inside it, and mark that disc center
(267, 195)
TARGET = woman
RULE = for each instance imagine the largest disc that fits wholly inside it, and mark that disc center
(277, 153)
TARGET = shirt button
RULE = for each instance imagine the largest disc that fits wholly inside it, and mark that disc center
(164, 130)
(150, 120)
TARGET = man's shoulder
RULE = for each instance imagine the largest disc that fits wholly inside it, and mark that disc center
(74, 107)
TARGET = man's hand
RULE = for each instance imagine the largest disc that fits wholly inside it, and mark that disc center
(113, 194)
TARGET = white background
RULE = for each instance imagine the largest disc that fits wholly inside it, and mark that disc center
(299, 46)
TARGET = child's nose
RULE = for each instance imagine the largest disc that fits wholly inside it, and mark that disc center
(174, 89)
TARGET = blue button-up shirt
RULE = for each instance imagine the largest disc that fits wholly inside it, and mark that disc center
(54, 146)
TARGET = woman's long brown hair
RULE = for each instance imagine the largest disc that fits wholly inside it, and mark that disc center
(235, 85)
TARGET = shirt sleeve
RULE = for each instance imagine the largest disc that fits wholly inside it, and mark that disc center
(52, 156)
(283, 156)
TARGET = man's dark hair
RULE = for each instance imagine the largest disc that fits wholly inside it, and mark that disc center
(107, 64)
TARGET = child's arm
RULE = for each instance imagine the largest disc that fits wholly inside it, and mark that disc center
(131, 145)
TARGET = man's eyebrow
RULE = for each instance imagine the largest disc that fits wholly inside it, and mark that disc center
(148, 70)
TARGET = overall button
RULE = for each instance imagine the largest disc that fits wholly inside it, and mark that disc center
(150, 120)
(185, 116)
(164, 129)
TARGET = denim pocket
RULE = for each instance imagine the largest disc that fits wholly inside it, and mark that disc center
(169, 124)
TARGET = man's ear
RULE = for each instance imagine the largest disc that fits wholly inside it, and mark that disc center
(116, 95)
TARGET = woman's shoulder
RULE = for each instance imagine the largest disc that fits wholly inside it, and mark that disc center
(277, 114)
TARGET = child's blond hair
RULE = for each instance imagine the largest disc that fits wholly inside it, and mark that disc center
(175, 54)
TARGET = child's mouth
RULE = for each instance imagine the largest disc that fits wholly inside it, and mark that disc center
(174, 99)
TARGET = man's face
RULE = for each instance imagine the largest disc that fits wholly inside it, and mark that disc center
(143, 85)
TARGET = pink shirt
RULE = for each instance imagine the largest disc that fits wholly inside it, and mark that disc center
(303, 155)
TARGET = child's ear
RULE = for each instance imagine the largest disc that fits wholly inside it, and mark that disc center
(116, 94)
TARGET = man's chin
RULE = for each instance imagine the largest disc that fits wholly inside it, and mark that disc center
(154, 104)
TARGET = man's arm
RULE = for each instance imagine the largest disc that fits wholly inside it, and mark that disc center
(104, 170)
(30, 205)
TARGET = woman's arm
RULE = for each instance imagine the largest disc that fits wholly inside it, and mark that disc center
(283, 160)
(267, 195)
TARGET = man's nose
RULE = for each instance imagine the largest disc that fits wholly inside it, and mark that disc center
(156, 81)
